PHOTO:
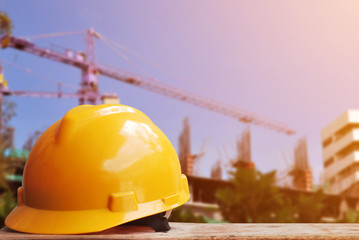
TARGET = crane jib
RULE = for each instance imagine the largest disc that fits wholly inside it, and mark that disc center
(89, 84)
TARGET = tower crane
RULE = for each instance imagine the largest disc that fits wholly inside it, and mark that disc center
(89, 90)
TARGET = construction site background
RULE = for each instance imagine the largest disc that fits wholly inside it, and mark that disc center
(248, 195)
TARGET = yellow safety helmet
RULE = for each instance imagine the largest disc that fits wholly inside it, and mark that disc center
(96, 168)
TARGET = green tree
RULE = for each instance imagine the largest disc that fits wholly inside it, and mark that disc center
(29, 143)
(181, 215)
(7, 203)
(7, 197)
(254, 198)
(310, 207)
(351, 216)
(6, 132)
(7, 109)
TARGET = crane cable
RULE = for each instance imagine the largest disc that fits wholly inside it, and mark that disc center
(125, 57)
(159, 66)
(29, 71)
(251, 115)
(175, 75)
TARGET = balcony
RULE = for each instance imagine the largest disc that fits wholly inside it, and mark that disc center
(345, 183)
(340, 165)
(331, 150)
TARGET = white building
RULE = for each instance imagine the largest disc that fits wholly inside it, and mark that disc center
(340, 141)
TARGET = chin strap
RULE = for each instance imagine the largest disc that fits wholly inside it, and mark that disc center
(157, 222)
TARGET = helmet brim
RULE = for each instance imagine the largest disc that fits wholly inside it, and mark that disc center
(31, 220)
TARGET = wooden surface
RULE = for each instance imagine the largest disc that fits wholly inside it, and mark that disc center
(212, 231)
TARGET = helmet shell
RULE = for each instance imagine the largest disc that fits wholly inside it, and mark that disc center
(97, 167)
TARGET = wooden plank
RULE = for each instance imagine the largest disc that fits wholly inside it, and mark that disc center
(212, 231)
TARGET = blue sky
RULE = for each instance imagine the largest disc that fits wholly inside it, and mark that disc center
(292, 61)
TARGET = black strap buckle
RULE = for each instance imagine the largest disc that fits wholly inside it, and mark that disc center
(157, 222)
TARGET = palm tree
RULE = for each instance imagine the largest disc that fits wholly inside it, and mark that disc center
(254, 198)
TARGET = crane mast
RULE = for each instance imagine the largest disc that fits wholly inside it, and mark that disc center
(89, 91)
